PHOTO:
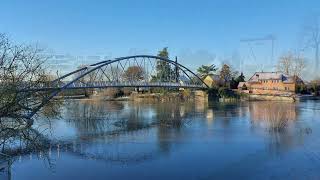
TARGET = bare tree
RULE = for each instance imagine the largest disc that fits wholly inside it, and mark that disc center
(291, 64)
(285, 63)
(21, 68)
(134, 73)
(299, 64)
(311, 37)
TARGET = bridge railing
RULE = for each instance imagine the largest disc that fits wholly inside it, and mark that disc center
(103, 84)
(130, 84)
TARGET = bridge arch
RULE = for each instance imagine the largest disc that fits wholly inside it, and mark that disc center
(100, 77)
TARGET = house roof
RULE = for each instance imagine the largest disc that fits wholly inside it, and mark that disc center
(272, 76)
(241, 84)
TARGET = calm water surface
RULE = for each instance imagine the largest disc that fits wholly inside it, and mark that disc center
(127, 140)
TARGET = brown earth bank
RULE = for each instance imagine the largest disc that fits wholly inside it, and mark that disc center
(183, 95)
(260, 97)
(169, 96)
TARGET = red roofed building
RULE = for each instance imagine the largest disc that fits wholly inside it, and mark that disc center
(273, 83)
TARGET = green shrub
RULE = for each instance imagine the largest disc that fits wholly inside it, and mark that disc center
(213, 92)
(302, 89)
(227, 93)
(113, 92)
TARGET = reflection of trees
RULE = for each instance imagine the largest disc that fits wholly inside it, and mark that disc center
(14, 142)
(92, 116)
(276, 115)
(112, 121)
(19, 142)
(227, 110)
(100, 118)
(171, 118)
(5, 167)
(278, 118)
(279, 142)
(135, 118)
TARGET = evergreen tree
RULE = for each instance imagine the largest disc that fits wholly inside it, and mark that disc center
(235, 81)
(240, 78)
(164, 71)
(225, 74)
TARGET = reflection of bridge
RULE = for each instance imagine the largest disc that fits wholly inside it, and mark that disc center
(131, 71)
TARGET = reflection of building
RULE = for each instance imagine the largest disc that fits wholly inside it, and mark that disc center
(271, 83)
(209, 116)
(200, 103)
(268, 111)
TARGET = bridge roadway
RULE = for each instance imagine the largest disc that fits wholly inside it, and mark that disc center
(101, 85)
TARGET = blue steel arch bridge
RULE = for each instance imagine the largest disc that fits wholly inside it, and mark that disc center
(132, 71)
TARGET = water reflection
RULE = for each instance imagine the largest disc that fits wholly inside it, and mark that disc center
(279, 120)
(16, 143)
(91, 117)
(100, 117)
(132, 133)
(275, 115)
(111, 132)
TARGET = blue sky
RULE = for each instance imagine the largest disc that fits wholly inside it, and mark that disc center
(195, 31)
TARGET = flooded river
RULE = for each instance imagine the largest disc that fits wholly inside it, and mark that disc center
(195, 140)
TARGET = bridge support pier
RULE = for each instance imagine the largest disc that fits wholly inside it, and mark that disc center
(201, 95)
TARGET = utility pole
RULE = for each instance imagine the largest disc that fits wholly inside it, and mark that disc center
(269, 37)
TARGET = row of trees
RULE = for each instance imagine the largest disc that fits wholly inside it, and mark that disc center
(227, 76)
(165, 72)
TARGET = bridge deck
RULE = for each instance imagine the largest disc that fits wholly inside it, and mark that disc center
(101, 85)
